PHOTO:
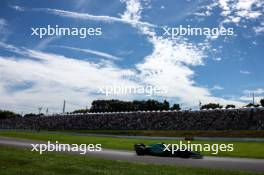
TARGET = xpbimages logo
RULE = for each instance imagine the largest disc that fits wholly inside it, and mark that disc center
(59, 147)
(173, 32)
(148, 90)
(82, 32)
(197, 147)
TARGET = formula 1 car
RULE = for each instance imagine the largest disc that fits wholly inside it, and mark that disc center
(159, 150)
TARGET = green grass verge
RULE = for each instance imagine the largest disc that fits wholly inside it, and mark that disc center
(241, 149)
(16, 161)
(177, 133)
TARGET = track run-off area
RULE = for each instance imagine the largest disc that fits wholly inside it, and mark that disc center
(247, 164)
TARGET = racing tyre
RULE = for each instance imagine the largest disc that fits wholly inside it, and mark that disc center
(140, 149)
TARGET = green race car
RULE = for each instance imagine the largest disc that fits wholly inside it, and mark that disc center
(160, 150)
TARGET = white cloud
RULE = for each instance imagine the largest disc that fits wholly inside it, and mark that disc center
(259, 29)
(245, 72)
(79, 4)
(94, 52)
(217, 59)
(203, 11)
(168, 66)
(217, 87)
(236, 19)
(206, 13)
(58, 77)
(3, 23)
(17, 8)
(235, 10)
(45, 42)
(133, 10)
(224, 4)
(259, 91)
(248, 95)
(87, 16)
(249, 99)
(4, 32)
(54, 78)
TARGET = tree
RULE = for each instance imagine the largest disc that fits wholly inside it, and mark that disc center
(152, 105)
(137, 105)
(252, 105)
(176, 107)
(262, 102)
(80, 111)
(166, 105)
(211, 106)
(7, 114)
(33, 115)
(230, 106)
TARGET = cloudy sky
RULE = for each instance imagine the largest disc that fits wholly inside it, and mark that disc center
(132, 51)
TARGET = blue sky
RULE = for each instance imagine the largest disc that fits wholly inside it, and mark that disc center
(132, 51)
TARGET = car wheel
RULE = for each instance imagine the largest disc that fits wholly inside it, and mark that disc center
(140, 149)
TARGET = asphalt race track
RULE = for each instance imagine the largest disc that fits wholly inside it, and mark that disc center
(256, 165)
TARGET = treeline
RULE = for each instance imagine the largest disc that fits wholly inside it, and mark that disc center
(148, 105)
(8, 114)
(230, 106)
(136, 105)
(121, 106)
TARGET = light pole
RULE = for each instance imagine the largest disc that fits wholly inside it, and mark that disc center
(64, 105)
(39, 109)
(253, 98)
